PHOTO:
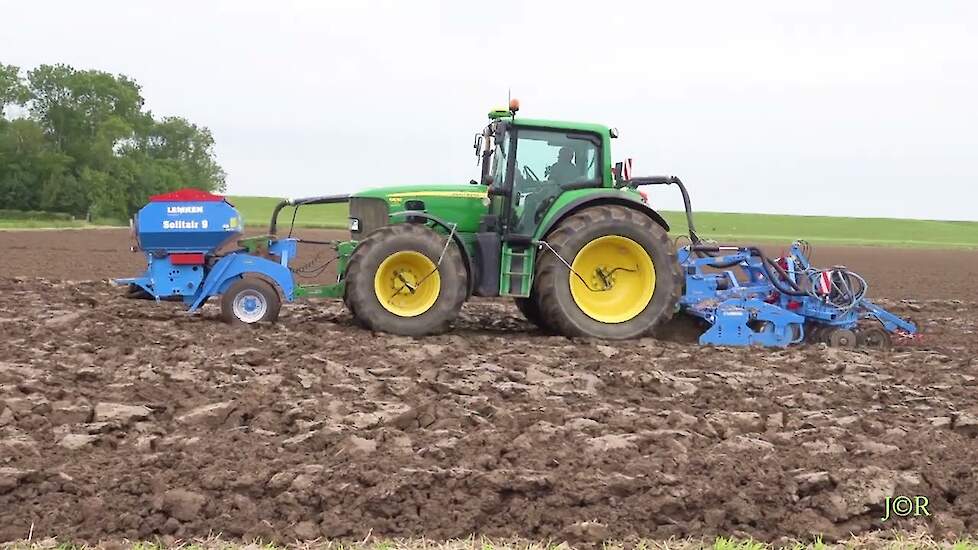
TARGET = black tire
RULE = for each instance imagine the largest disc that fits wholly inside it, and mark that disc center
(557, 305)
(362, 299)
(257, 289)
(531, 310)
(136, 292)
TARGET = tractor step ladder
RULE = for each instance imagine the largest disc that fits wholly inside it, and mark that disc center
(516, 273)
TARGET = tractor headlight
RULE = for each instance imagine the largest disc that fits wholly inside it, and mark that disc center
(354, 224)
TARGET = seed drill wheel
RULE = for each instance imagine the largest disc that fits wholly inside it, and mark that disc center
(394, 283)
(249, 301)
(136, 292)
(625, 278)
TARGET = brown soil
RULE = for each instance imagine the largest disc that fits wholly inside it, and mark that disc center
(126, 418)
(104, 253)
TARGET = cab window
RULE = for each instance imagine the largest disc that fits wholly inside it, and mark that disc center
(544, 156)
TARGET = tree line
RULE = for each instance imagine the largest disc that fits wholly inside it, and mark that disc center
(81, 142)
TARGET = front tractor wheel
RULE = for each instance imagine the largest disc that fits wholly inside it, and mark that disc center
(394, 282)
(624, 278)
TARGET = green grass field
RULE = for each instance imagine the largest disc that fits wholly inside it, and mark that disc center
(714, 225)
(257, 212)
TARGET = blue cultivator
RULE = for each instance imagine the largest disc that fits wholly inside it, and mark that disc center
(777, 302)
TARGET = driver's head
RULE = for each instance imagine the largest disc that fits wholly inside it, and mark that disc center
(566, 155)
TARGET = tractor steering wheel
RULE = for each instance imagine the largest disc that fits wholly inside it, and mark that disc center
(529, 174)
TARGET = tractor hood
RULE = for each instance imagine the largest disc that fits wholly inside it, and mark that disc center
(463, 204)
(412, 191)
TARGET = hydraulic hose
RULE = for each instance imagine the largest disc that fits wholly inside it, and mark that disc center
(327, 199)
(273, 226)
(767, 264)
(671, 180)
(688, 208)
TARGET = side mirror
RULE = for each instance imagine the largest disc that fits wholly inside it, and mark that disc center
(477, 143)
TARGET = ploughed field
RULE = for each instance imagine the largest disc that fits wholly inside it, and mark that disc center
(127, 418)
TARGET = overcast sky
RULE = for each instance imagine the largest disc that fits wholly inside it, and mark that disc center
(829, 107)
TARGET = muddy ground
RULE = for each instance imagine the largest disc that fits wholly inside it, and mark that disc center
(123, 418)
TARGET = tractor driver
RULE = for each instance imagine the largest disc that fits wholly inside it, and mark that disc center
(564, 170)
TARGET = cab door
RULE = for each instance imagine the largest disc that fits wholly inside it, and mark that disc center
(497, 162)
(547, 163)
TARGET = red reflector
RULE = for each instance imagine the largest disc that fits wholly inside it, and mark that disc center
(190, 258)
(792, 305)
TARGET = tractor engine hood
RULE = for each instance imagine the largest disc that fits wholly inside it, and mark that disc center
(463, 205)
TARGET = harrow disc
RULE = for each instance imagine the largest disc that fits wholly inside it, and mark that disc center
(842, 338)
(874, 338)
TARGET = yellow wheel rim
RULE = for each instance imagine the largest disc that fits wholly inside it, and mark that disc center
(407, 283)
(619, 279)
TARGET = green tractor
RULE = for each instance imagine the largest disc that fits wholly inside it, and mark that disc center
(551, 223)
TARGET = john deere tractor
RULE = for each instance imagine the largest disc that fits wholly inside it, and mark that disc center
(550, 223)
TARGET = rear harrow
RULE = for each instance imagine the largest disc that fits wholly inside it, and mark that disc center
(782, 301)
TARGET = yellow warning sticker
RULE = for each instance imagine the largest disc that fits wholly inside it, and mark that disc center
(455, 194)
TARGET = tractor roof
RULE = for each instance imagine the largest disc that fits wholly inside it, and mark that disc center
(560, 124)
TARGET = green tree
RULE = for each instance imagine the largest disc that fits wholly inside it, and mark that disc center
(12, 88)
(26, 163)
(84, 112)
(191, 148)
(87, 146)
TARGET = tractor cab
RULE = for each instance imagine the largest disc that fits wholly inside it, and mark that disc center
(537, 174)
(528, 163)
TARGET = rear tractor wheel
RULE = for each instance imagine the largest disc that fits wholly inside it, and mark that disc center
(394, 282)
(530, 309)
(624, 278)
